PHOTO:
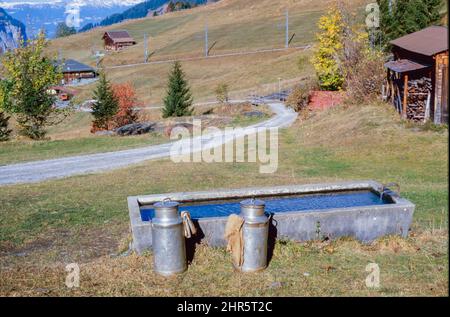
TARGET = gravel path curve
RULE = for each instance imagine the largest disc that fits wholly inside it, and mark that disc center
(38, 171)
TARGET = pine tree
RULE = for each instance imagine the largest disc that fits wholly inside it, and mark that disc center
(4, 131)
(105, 106)
(401, 17)
(178, 100)
(433, 7)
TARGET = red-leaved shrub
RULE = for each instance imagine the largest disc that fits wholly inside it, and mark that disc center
(126, 96)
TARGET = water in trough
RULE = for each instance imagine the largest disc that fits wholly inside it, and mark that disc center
(278, 204)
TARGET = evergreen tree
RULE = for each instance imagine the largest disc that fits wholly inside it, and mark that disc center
(433, 7)
(178, 100)
(105, 106)
(4, 131)
(401, 17)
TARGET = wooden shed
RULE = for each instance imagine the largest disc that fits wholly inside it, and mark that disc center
(418, 75)
(63, 93)
(116, 40)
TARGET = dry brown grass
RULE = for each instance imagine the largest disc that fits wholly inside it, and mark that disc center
(297, 269)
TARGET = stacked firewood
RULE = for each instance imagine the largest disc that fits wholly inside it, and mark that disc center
(417, 98)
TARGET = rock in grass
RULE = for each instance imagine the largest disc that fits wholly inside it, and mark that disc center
(136, 128)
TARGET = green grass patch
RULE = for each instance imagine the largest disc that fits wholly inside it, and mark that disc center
(23, 151)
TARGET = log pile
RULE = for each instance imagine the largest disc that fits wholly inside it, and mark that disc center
(417, 98)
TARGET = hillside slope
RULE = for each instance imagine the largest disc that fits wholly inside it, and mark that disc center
(233, 26)
(140, 10)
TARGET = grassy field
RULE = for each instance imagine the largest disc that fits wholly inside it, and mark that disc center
(84, 219)
(234, 26)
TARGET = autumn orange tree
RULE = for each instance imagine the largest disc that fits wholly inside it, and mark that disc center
(125, 94)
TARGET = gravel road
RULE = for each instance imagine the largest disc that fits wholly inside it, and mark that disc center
(38, 171)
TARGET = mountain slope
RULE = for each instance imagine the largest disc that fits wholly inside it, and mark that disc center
(140, 10)
(233, 26)
(47, 14)
(11, 31)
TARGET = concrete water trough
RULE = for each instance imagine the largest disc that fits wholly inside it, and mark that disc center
(365, 210)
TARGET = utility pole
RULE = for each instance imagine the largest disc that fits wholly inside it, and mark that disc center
(145, 49)
(287, 28)
(206, 39)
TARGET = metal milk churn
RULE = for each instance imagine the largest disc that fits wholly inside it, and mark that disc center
(169, 250)
(255, 235)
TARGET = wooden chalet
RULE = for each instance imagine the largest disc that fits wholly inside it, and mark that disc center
(75, 71)
(116, 40)
(418, 75)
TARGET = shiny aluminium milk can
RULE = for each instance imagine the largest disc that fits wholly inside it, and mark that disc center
(255, 235)
(168, 241)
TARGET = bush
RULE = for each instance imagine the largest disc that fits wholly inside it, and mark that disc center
(4, 131)
(365, 79)
(300, 95)
(126, 97)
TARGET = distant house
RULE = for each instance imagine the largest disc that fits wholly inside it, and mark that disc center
(116, 40)
(418, 75)
(75, 71)
(63, 93)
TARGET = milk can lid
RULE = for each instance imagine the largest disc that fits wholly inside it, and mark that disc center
(166, 203)
(253, 202)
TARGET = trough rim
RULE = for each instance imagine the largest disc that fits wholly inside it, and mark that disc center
(136, 202)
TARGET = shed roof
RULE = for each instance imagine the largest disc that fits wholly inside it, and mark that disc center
(404, 65)
(71, 66)
(429, 41)
(119, 36)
